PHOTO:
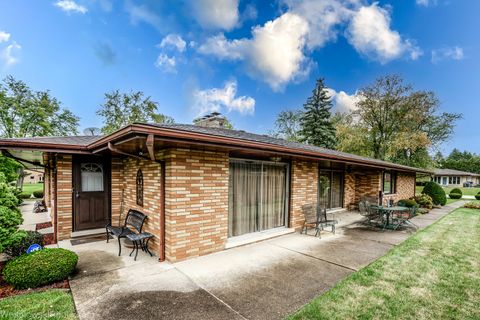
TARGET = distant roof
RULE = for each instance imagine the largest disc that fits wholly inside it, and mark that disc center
(452, 172)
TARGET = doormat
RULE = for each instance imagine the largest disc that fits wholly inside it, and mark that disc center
(96, 238)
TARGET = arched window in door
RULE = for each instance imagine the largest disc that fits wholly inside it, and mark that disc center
(140, 187)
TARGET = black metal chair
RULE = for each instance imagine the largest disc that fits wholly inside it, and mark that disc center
(311, 218)
(323, 221)
(134, 220)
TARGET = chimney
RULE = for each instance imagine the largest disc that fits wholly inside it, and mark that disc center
(212, 120)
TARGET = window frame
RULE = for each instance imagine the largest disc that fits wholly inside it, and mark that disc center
(393, 182)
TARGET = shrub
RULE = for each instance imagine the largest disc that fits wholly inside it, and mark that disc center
(435, 191)
(38, 194)
(472, 205)
(40, 268)
(24, 195)
(10, 219)
(7, 195)
(456, 190)
(477, 196)
(454, 195)
(410, 203)
(424, 201)
(21, 240)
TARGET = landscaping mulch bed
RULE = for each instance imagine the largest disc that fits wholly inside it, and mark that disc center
(48, 239)
(43, 225)
(7, 290)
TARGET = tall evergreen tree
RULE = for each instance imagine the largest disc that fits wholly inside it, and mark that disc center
(316, 123)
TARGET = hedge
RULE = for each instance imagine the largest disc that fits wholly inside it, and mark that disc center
(437, 193)
(21, 240)
(10, 219)
(38, 194)
(477, 196)
(454, 195)
(40, 268)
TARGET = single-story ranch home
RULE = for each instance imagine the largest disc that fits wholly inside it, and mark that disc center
(204, 188)
(455, 178)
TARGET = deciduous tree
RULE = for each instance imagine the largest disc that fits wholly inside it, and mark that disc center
(122, 109)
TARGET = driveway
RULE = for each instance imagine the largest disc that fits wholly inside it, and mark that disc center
(266, 280)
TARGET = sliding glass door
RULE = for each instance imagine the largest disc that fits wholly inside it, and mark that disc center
(330, 189)
(257, 196)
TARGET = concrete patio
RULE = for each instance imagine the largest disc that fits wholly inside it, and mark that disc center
(266, 280)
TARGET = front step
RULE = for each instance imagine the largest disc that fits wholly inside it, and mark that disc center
(83, 233)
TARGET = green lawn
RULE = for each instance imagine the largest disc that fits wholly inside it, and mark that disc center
(435, 274)
(51, 304)
(27, 187)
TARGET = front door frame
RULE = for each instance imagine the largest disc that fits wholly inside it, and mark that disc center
(107, 176)
(330, 172)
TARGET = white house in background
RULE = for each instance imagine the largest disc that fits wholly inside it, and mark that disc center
(455, 178)
(33, 176)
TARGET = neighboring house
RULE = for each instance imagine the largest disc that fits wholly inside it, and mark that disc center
(204, 189)
(33, 176)
(455, 178)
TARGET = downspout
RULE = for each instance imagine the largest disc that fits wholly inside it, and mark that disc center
(162, 210)
(55, 205)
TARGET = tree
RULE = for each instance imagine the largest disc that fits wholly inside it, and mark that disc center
(463, 161)
(400, 124)
(316, 125)
(122, 109)
(26, 113)
(287, 125)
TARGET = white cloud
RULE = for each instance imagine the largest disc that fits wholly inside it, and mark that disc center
(277, 52)
(4, 36)
(173, 41)
(273, 54)
(426, 3)
(71, 6)
(141, 13)
(224, 49)
(370, 33)
(216, 14)
(166, 63)
(452, 53)
(216, 99)
(342, 101)
(323, 17)
(9, 54)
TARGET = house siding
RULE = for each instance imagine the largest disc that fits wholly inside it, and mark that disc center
(196, 204)
(64, 196)
(304, 189)
(124, 176)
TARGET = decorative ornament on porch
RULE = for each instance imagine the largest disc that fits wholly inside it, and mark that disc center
(140, 187)
(34, 247)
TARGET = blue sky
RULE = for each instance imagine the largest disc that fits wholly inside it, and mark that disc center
(246, 59)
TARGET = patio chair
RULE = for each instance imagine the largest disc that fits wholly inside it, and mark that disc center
(134, 220)
(323, 221)
(403, 218)
(311, 218)
(375, 216)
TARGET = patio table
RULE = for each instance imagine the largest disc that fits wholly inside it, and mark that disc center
(390, 210)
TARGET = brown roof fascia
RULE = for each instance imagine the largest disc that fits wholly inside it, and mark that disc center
(194, 136)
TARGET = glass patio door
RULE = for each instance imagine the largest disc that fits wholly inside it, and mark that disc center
(257, 196)
(330, 189)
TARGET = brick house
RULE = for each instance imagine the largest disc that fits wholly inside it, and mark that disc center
(203, 188)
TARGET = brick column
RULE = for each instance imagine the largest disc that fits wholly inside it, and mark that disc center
(64, 196)
(304, 189)
(196, 202)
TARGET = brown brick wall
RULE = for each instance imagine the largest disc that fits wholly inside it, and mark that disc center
(405, 188)
(151, 194)
(196, 204)
(367, 185)
(349, 190)
(64, 196)
(304, 188)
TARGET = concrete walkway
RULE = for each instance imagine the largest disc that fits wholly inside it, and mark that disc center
(266, 280)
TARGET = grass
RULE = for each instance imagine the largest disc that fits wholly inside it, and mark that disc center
(29, 188)
(465, 191)
(51, 304)
(435, 274)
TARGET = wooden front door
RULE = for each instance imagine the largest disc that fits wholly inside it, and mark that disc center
(91, 192)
